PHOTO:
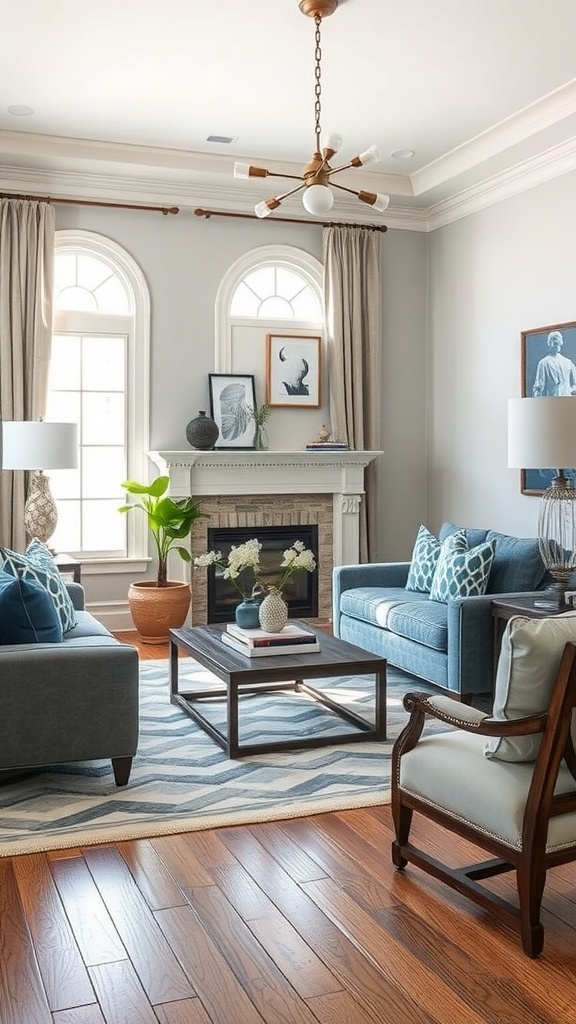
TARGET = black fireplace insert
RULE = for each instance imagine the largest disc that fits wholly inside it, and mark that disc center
(300, 591)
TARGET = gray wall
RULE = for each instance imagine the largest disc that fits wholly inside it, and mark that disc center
(184, 259)
(492, 275)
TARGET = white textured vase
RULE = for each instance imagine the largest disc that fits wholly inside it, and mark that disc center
(273, 613)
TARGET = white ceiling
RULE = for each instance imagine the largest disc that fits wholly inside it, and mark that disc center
(484, 92)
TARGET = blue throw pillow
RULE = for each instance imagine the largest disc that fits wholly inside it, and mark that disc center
(461, 572)
(425, 557)
(27, 613)
(38, 565)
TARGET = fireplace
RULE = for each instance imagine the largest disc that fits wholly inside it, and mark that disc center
(254, 489)
(301, 590)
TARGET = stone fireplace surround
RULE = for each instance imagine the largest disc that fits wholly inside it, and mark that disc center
(253, 488)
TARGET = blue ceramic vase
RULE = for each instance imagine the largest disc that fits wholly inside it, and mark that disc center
(246, 614)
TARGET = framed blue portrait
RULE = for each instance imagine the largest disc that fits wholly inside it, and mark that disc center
(548, 370)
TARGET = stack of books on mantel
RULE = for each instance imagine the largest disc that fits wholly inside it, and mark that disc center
(255, 643)
(327, 446)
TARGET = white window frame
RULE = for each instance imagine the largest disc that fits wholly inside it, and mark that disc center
(137, 328)
(287, 256)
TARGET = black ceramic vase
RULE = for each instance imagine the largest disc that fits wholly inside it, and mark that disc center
(202, 432)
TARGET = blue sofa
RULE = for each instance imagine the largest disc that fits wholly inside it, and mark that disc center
(450, 644)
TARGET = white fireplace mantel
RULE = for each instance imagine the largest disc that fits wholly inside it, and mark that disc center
(340, 473)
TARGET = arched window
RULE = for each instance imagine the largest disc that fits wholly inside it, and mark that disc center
(275, 284)
(99, 378)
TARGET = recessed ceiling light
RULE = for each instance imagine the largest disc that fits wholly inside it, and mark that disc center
(402, 154)
(18, 110)
(226, 140)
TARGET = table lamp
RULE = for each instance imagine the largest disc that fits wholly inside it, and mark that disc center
(39, 445)
(542, 435)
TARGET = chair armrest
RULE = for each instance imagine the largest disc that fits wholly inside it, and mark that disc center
(367, 574)
(462, 716)
(470, 719)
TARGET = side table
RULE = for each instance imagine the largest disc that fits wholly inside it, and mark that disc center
(69, 566)
(533, 606)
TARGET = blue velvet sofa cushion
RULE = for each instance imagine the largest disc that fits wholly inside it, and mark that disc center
(517, 564)
(27, 613)
(374, 604)
(426, 623)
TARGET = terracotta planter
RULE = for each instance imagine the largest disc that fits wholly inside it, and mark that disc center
(155, 610)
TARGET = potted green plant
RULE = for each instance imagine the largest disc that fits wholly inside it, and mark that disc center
(160, 605)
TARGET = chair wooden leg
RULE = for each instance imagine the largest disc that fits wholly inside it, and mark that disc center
(531, 881)
(122, 766)
(402, 822)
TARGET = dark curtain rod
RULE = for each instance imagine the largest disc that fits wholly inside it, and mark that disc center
(86, 202)
(288, 220)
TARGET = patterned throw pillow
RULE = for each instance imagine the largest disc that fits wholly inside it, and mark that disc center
(37, 564)
(461, 572)
(425, 557)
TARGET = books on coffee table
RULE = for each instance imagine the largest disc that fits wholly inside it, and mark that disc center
(256, 643)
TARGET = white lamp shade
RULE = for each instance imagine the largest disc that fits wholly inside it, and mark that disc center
(28, 444)
(542, 433)
(318, 199)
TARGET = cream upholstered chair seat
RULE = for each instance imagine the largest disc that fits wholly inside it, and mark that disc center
(505, 781)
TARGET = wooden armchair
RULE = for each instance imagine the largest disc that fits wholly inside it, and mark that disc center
(516, 802)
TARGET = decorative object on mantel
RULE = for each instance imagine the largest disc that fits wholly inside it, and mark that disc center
(317, 175)
(260, 414)
(242, 567)
(202, 432)
(160, 605)
(325, 444)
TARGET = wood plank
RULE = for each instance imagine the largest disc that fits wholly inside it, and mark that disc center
(187, 1011)
(242, 892)
(120, 994)
(178, 856)
(422, 982)
(376, 992)
(22, 996)
(254, 960)
(151, 875)
(90, 1014)
(284, 847)
(161, 976)
(91, 923)
(63, 973)
(221, 993)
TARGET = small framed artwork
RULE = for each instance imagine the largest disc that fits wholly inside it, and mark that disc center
(548, 370)
(293, 370)
(231, 397)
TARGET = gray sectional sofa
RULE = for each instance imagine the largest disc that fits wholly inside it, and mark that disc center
(448, 643)
(71, 701)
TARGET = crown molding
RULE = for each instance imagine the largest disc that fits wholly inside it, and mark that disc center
(523, 125)
(554, 163)
(188, 194)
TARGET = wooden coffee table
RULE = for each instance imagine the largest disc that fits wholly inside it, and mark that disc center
(278, 672)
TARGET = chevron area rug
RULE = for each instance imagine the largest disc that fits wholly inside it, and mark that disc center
(182, 781)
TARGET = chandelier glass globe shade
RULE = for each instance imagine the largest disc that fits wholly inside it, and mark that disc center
(318, 199)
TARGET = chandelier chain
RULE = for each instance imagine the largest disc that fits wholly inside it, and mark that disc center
(318, 83)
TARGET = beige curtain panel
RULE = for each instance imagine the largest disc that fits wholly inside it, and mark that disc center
(352, 309)
(26, 285)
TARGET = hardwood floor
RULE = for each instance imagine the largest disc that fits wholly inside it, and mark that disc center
(291, 922)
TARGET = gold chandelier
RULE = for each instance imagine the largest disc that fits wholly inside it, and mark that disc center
(316, 179)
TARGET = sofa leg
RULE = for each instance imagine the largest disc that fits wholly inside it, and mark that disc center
(122, 766)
